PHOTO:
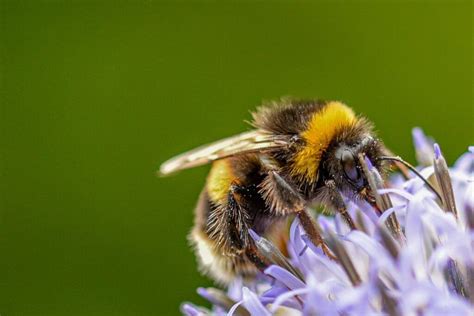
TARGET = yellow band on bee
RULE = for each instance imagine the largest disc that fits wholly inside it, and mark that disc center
(322, 128)
(219, 181)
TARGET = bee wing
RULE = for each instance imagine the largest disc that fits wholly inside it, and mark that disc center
(252, 141)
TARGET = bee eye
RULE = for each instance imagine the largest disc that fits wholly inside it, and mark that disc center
(350, 167)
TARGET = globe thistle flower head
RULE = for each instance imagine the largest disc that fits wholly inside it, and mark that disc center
(413, 255)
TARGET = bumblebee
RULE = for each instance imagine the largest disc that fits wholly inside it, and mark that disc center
(299, 153)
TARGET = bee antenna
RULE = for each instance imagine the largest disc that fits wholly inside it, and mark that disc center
(416, 172)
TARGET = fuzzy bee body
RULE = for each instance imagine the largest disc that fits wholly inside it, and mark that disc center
(300, 152)
(229, 205)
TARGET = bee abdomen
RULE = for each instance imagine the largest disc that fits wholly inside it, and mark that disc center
(217, 255)
(225, 211)
(223, 268)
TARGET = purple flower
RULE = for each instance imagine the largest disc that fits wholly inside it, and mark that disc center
(424, 268)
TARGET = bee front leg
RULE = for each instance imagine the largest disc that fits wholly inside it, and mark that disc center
(336, 200)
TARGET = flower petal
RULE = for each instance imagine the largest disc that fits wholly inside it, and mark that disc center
(286, 296)
(253, 304)
(284, 277)
(189, 309)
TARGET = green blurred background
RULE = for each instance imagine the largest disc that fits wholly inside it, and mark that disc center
(95, 95)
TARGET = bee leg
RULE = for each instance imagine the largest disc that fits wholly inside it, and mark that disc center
(237, 219)
(227, 224)
(239, 201)
(283, 198)
(254, 255)
(338, 203)
(312, 230)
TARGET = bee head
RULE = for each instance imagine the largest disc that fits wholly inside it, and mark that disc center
(344, 168)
